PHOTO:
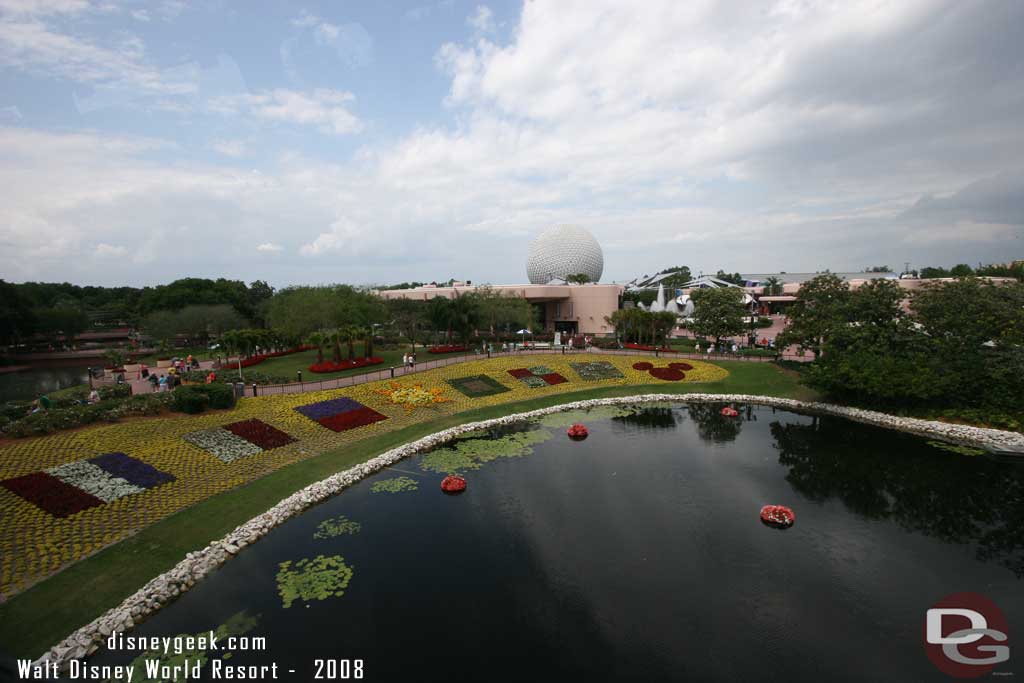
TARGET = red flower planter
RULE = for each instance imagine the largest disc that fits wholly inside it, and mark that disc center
(778, 516)
(329, 366)
(643, 366)
(668, 374)
(446, 348)
(453, 483)
(730, 412)
(681, 366)
(578, 432)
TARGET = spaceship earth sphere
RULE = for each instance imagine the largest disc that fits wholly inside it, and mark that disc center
(561, 251)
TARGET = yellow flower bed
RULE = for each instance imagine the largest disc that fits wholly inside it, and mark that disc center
(34, 544)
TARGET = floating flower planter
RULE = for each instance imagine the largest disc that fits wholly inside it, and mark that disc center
(453, 483)
(778, 516)
(578, 432)
(729, 411)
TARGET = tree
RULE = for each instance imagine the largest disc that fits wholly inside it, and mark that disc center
(718, 312)
(961, 270)
(63, 321)
(577, 279)
(773, 286)
(734, 278)
(816, 313)
(439, 311)
(16, 319)
(318, 339)
(408, 316)
(680, 275)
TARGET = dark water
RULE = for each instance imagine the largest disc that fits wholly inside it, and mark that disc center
(638, 555)
(31, 384)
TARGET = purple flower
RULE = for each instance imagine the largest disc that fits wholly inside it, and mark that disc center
(329, 408)
(132, 470)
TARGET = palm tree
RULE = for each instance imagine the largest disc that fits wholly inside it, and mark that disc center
(350, 333)
(336, 336)
(773, 286)
(368, 343)
(318, 339)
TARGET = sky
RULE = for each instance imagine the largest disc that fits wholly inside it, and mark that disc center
(381, 142)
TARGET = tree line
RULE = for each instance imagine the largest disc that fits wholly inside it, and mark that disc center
(958, 343)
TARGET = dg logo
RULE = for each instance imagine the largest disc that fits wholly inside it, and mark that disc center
(965, 635)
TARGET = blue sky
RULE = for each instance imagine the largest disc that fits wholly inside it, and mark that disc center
(382, 142)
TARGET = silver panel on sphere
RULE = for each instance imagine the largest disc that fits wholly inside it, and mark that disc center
(562, 251)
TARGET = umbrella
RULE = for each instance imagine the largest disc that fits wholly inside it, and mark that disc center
(524, 332)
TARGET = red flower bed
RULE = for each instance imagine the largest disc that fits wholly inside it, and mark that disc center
(578, 432)
(667, 374)
(643, 366)
(260, 433)
(351, 419)
(453, 483)
(730, 412)
(648, 347)
(446, 348)
(681, 366)
(51, 494)
(330, 366)
(519, 373)
(553, 378)
(778, 516)
(259, 358)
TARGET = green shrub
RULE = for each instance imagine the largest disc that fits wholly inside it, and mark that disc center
(221, 395)
(191, 399)
(195, 398)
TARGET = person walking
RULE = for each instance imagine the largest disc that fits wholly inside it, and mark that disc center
(405, 360)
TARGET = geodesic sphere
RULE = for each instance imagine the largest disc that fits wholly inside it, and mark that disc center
(562, 251)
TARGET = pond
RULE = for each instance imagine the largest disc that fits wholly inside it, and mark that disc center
(637, 554)
(32, 383)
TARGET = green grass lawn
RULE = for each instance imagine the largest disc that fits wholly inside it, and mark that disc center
(33, 621)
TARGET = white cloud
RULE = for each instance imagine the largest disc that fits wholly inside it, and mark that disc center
(269, 247)
(344, 236)
(314, 39)
(326, 109)
(231, 148)
(104, 250)
(482, 20)
(10, 114)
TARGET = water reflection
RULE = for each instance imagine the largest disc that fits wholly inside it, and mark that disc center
(883, 475)
(713, 427)
(647, 418)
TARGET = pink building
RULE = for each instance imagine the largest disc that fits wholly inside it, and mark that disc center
(576, 309)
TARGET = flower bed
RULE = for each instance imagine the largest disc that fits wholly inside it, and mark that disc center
(412, 397)
(685, 367)
(596, 370)
(43, 547)
(340, 414)
(537, 376)
(648, 347)
(222, 444)
(478, 386)
(331, 366)
(453, 483)
(50, 494)
(82, 484)
(643, 366)
(259, 433)
(667, 374)
(446, 348)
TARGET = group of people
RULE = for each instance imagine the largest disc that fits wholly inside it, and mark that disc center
(165, 382)
(733, 347)
(409, 359)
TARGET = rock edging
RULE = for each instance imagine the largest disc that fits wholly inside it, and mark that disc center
(195, 565)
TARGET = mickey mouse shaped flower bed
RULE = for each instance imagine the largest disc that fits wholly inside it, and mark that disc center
(453, 483)
(778, 516)
(673, 373)
(729, 411)
(577, 432)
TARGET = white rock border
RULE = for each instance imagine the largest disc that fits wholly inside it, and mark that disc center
(169, 585)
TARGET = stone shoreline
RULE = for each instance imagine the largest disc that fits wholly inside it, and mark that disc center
(169, 585)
